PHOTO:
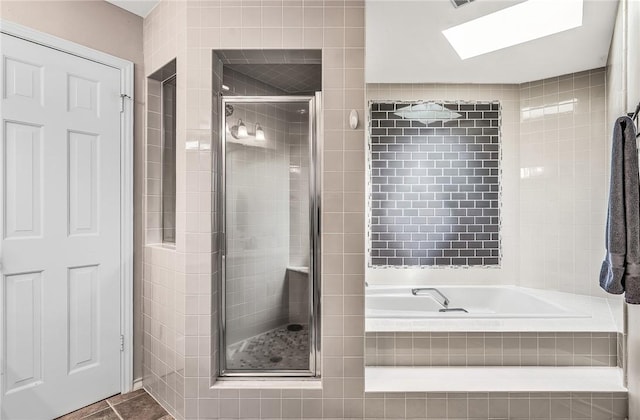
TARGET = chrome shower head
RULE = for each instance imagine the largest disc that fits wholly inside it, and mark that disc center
(228, 110)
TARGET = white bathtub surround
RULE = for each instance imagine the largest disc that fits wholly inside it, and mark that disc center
(494, 379)
(492, 349)
(491, 308)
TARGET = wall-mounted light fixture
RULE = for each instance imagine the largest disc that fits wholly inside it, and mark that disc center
(239, 131)
(259, 132)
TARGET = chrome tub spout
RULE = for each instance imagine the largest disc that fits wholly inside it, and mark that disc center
(417, 291)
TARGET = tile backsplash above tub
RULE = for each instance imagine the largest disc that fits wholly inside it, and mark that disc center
(434, 183)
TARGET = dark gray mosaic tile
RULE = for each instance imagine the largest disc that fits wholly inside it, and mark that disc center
(275, 349)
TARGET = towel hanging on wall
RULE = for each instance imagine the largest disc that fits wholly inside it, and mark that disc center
(620, 272)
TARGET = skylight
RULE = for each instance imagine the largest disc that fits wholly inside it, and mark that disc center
(514, 25)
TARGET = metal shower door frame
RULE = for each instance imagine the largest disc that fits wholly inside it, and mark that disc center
(315, 151)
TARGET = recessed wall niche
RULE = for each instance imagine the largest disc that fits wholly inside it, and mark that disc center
(434, 184)
(161, 156)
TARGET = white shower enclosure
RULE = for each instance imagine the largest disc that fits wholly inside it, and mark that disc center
(269, 207)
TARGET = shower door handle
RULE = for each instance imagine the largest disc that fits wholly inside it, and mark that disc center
(222, 244)
(222, 249)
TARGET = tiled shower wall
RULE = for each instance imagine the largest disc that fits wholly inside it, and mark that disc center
(190, 31)
(272, 172)
(242, 85)
(298, 155)
(257, 237)
(434, 184)
(508, 97)
(257, 217)
(299, 189)
(563, 182)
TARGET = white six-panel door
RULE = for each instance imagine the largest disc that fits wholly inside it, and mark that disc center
(60, 249)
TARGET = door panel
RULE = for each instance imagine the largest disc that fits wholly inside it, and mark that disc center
(83, 96)
(23, 80)
(23, 330)
(23, 188)
(83, 322)
(61, 231)
(83, 189)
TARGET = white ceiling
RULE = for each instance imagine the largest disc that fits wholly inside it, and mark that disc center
(137, 7)
(405, 44)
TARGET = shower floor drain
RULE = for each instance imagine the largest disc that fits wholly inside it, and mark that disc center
(294, 327)
(275, 359)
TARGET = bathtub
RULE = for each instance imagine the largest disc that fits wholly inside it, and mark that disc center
(490, 309)
(478, 301)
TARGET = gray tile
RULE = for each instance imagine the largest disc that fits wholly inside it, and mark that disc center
(484, 349)
(448, 159)
(108, 414)
(275, 349)
(117, 399)
(142, 407)
(86, 411)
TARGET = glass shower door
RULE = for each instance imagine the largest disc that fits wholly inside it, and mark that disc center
(269, 250)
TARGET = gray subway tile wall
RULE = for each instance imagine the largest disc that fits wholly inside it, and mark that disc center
(435, 184)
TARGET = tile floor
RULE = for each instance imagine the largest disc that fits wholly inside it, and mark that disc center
(136, 405)
(280, 348)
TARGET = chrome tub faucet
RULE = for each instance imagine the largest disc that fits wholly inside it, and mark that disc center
(418, 290)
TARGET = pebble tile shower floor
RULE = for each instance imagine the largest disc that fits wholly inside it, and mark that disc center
(136, 405)
(280, 348)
